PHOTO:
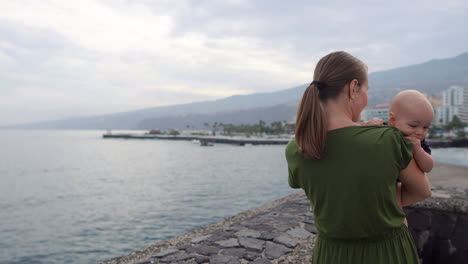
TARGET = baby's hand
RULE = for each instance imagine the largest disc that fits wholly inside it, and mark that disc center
(373, 121)
(414, 140)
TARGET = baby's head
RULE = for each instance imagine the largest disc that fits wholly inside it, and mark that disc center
(411, 113)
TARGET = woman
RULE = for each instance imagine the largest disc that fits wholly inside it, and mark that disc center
(348, 171)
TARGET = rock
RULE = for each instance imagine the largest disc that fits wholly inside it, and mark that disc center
(274, 251)
(460, 237)
(419, 220)
(201, 259)
(200, 239)
(237, 252)
(251, 243)
(178, 256)
(222, 259)
(442, 225)
(232, 242)
(268, 235)
(165, 252)
(261, 261)
(233, 228)
(144, 262)
(284, 240)
(262, 227)
(248, 233)
(282, 228)
(251, 255)
(299, 233)
(311, 228)
(204, 250)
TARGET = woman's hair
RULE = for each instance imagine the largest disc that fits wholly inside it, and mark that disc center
(332, 73)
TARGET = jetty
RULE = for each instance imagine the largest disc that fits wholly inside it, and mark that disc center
(206, 140)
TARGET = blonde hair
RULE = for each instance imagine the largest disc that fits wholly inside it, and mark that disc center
(332, 73)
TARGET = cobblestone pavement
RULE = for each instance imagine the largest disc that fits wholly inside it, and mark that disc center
(282, 234)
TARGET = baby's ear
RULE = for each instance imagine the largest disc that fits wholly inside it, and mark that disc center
(391, 119)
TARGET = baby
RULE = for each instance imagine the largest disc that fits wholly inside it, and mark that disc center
(412, 114)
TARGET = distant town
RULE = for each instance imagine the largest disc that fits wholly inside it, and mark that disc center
(450, 120)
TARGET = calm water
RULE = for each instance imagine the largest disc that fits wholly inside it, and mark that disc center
(73, 197)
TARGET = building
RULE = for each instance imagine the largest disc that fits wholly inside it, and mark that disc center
(379, 111)
(454, 102)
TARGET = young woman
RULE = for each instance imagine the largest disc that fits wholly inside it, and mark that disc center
(348, 171)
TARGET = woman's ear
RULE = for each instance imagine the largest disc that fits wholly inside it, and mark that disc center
(353, 88)
(391, 119)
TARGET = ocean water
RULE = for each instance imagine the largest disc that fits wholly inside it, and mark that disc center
(73, 197)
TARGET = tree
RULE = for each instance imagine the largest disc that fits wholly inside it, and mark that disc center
(456, 123)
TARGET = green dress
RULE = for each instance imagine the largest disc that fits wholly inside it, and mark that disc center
(352, 194)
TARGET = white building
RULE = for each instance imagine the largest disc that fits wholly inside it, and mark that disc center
(379, 111)
(454, 102)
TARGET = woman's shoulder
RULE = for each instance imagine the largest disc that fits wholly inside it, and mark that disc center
(291, 148)
(367, 131)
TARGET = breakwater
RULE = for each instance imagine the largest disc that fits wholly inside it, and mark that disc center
(283, 231)
(206, 139)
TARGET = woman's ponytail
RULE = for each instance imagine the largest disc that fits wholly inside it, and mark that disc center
(311, 130)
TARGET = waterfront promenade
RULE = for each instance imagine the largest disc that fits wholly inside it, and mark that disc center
(283, 231)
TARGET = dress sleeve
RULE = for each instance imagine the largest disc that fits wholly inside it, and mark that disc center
(404, 150)
(292, 180)
(292, 163)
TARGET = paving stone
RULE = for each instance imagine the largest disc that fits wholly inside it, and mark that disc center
(283, 228)
(233, 228)
(251, 255)
(262, 227)
(274, 251)
(238, 252)
(248, 233)
(200, 239)
(311, 228)
(309, 221)
(299, 232)
(204, 250)
(232, 242)
(251, 243)
(165, 253)
(219, 235)
(178, 256)
(222, 259)
(286, 241)
(201, 259)
(261, 261)
(268, 235)
(144, 262)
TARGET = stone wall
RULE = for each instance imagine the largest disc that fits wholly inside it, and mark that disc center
(283, 231)
(440, 227)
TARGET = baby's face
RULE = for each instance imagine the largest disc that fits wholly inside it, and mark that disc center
(413, 123)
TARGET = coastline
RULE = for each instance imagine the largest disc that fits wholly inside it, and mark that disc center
(280, 217)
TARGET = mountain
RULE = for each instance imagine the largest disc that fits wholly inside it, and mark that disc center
(430, 77)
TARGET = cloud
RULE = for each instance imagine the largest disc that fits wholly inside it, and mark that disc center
(84, 57)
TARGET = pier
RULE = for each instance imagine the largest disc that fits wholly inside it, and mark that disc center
(205, 140)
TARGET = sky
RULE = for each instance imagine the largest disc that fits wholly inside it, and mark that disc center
(62, 59)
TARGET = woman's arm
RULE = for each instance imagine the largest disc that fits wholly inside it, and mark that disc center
(415, 185)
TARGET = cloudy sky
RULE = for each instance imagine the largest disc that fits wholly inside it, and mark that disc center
(62, 59)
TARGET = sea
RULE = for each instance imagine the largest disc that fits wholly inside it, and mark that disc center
(70, 196)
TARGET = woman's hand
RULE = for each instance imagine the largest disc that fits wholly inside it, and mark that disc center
(373, 122)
